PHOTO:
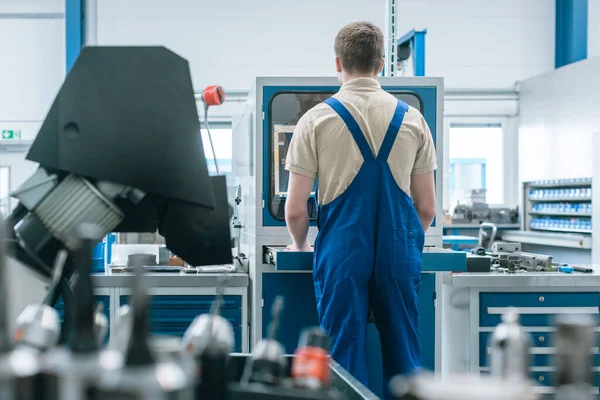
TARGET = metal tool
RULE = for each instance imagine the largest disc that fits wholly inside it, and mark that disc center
(134, 260)
(310, 367)
(505, 247)
(100, 324)
(38, 326)
(267, 362)
(565, 269)
(68, 371)
(119, 340)
(510, 344)
(585, 270)
(19, 367)
(143, 376)
(575, 336)
(487, 234)
(210, 340)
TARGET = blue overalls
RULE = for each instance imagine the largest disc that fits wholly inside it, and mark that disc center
(368, 253)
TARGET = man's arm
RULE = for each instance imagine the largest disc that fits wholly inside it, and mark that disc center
(296, 211)
(422, 190)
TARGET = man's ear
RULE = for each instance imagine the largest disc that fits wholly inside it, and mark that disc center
(338, 65)
(381, 66)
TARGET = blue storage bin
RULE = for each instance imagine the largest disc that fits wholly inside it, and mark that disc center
(98, 258)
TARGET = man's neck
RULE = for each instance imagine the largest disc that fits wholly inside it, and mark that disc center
(345, 77)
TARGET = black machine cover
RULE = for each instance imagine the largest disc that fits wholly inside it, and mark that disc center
(128, 115)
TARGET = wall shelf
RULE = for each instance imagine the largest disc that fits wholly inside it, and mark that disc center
(560, 205)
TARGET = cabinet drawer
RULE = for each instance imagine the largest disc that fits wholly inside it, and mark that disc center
(189, 302)
(542, 355)
(233, 316)
(536, 309)
(178, 329)
(548, 378)
(172, 316)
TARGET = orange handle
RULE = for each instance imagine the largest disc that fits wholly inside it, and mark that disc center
(312, 362)
(213, 95)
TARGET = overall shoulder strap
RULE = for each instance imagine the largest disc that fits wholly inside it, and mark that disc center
(352, 125)
(392, 132)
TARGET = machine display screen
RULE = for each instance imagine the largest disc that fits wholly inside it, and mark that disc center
(285, 111)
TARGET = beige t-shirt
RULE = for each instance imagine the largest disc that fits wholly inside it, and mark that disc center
(322, 144)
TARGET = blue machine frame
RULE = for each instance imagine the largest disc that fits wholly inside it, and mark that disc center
(416, 40)
(426, 95)
(74, 29)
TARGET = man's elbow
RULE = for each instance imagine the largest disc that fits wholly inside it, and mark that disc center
(294, 212)
(426, 212)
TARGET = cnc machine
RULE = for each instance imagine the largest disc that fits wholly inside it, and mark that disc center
(260, 139)
(121, 149)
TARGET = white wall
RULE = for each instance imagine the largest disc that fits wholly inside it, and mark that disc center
(593, 28)
(471, 43)
(231, 42)
(483, 44)
(32, 67)
(559, 114)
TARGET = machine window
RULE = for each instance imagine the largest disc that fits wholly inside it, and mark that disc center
(285, 110)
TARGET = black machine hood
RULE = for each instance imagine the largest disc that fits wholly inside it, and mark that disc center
(128, 115)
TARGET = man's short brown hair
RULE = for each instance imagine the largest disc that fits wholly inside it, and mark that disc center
(359, 46)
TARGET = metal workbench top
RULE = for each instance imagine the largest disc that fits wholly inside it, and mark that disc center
(177, 279)
(526, 279)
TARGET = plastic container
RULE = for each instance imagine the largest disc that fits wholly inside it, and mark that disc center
(98, 265)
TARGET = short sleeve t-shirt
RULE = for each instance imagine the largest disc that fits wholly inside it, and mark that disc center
(323, 146)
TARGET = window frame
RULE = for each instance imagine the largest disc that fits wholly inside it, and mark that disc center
(8, 197)
(509, 153)
(215, 125)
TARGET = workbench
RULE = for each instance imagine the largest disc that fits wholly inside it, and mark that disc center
(177, 298)
(474, 303)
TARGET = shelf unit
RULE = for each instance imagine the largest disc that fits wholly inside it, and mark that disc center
(560, 205)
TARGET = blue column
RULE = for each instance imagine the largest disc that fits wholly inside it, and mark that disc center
(419, 53)
(73, 30)
(571, 31)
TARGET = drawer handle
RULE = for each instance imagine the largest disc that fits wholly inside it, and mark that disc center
(541, 378)
(541, 299)
(541, 339)
(543, 310)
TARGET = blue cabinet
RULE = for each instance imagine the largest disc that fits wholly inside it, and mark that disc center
(173, 314)
(299, 305)
(300, 311)
(538, 311)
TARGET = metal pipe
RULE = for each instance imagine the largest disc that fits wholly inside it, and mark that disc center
(32, 15)
(90, 20)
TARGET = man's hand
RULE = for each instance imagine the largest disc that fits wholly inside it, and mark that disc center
(294, 247)
(296, 211)
(422, 191)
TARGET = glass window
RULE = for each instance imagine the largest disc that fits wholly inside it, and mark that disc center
(476, 163)
(4, 191)
(285, 109)
(222, 142)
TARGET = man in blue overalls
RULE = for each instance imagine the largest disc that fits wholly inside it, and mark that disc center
(374, 157)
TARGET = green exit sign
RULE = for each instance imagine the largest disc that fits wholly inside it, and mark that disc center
(11, 134)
